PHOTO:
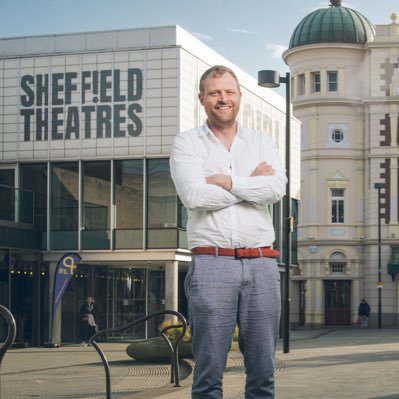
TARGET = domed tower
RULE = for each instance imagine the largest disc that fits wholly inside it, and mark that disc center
(341, 73)
(335, 24)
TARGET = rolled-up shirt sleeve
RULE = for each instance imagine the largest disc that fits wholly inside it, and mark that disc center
(189, 178)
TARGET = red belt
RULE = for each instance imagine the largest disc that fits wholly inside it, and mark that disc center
(238, 253)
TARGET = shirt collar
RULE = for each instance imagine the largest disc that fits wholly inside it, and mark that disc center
(204, 130)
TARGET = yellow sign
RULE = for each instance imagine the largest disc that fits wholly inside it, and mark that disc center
(69, 263)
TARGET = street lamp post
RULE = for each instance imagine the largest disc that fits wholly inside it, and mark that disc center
(379, 186)
(267, 78)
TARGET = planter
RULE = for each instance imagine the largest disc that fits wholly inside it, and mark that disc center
(155, 349)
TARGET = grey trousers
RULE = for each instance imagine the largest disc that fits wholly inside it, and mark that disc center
(223, 292)
(364, 321)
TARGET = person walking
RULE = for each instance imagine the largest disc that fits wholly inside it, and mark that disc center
(227, 177)
(89, 316)
(364, 313)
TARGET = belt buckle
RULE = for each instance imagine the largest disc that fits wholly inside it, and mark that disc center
(236, 256)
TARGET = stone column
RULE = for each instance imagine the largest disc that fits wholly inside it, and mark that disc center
(318, 311)
(323, 81)
(356, 298)
(294, 82)
(393, 116)
(394, 193)
(308, 83)
(171, 286)
(393, 230)
(309, 303)
(341, 82)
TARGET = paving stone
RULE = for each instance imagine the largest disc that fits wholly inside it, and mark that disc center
(327, 364)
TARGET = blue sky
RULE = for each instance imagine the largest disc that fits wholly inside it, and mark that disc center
(250, 33)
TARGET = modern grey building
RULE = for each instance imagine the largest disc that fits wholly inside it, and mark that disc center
(86, 125)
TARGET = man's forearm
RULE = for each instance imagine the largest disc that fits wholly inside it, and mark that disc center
(223, 181)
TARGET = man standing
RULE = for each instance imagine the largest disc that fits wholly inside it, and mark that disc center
(227, 177)
(89, 315)
(364, 313)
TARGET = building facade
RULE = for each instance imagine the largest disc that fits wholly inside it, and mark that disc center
(345, 80)
(87, 121)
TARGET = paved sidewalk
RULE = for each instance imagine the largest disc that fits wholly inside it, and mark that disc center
(327, 364)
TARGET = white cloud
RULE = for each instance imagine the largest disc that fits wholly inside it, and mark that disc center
(241, 30)
(316, 6)
(202, 36)
(324, 4)
(276, 50)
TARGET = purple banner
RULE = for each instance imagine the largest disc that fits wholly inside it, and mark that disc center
(63, 274)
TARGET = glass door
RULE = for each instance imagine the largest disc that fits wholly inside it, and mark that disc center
(87, 281)
(24, 291)
(156, 299)
(126, 300)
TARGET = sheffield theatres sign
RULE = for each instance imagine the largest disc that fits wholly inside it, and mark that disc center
(49, 105)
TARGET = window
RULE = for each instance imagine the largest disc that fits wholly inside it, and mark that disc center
(129, 199)
(301, 84)
(33, 178)
(96, 181)
(7, 177)
(7, 194)
(316, 82)
(64, 205)
(182, 215)
(337, 263)
(337, 135)
(332, 77)
(337, 205)
(162, 205)
(337, 268)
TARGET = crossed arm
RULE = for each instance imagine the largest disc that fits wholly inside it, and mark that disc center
(225, 181)
(265, 184)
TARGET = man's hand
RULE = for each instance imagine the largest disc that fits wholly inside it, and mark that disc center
(223, 181)
(263, 169)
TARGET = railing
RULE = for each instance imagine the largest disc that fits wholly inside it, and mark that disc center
(173, 346)
(17, 205)
(12, 331)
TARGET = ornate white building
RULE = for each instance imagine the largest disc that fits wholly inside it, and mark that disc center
(345, 91)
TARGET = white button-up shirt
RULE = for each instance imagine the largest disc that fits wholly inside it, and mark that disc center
(217, 217)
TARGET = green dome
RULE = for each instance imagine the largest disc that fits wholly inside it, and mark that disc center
(335, 24)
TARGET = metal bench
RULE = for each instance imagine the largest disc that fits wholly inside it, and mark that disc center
(173, 345)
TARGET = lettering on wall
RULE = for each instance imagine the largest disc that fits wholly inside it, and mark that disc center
(106, 109)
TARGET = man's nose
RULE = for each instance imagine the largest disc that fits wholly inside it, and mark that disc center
(222, 97)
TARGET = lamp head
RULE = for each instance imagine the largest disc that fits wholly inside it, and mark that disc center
(268, 78)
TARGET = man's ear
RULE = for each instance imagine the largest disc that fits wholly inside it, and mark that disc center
(201, 98)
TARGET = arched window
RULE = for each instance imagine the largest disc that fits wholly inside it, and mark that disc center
(337, 263)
